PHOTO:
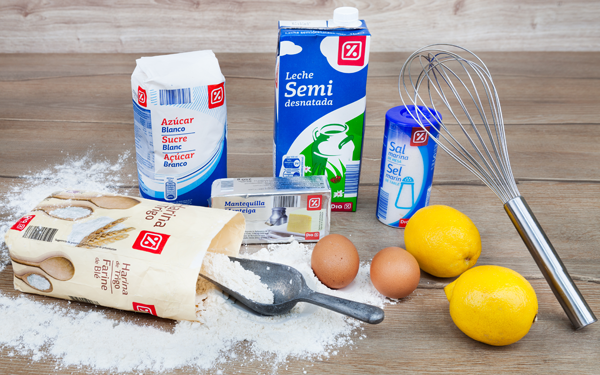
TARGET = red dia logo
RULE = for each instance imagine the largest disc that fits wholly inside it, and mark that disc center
(351, 50)
(419, 136)
(314, 202)
(402, 223)
(342, 206)
(216, 95)
(142, 97)
(22, 223)
(151, 242)
(311, 235)
(149, 309)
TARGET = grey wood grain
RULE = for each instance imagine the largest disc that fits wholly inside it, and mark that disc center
(47, 110)
(68, 26)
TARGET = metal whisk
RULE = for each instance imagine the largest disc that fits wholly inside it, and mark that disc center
(463, 88)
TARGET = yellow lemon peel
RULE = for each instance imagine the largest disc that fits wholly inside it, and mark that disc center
(492, 304)
(444, 241)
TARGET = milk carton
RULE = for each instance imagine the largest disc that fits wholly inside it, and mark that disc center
(320, 100)
(180, 118)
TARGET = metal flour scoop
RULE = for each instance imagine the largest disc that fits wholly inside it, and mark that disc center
(289, 288)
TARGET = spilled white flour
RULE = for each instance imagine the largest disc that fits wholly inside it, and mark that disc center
(79, 174)
(225, 332)
(232, 275)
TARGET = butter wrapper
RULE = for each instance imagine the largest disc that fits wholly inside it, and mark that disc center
(277, 209)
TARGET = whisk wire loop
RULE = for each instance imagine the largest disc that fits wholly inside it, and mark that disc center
(446, 77)
(485, 153)
(454, 142)
(492, 169)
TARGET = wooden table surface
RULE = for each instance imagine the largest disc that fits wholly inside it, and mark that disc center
(79, 104)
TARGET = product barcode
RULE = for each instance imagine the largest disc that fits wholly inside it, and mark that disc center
(40, 233)
(286, 201)
(351, 184)
(84, 300)
(177, 96)
(384, 197)
(226, 185)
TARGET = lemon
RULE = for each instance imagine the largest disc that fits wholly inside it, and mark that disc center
(492, 304)
(444, 241)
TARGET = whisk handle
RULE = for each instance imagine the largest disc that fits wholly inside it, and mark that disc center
(549, 263)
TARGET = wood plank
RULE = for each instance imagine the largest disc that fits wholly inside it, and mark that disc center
(522, 64)
(417, 336)
(62, 90)
(250, 101)
(565, 221)
(568, 212)
(32, 66)
(68, 26)
(536, 153)
(555, 162)
(419, 327)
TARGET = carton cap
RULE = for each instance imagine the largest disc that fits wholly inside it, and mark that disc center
(346, 16)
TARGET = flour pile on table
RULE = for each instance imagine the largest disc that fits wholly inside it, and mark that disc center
(232, 275)
(81, 174)
(225, 332)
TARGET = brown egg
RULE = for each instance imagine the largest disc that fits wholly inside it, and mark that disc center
(395, 272)
(335, 261)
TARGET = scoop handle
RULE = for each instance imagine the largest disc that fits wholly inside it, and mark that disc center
(549, 262)
(361, 311)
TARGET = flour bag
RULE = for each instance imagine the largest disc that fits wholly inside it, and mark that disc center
(124, 252)
(180, 118)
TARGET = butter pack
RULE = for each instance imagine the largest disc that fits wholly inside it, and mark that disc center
(277, 209)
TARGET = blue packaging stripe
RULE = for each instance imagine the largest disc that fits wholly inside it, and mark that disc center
(407, 165)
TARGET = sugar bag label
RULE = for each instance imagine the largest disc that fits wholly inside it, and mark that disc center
(180, 117)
